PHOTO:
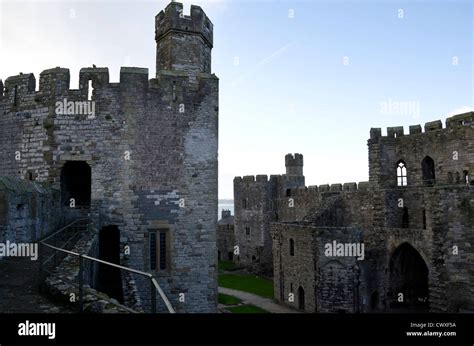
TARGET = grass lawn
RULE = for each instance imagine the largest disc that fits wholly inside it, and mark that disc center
(247, 309)
(226, 265)
(228, 300)
(247, 283)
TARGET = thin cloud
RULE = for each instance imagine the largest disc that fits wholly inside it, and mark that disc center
(261, 63)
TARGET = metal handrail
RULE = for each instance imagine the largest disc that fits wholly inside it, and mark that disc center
(62, 229)
(162, 295)
(154, 283)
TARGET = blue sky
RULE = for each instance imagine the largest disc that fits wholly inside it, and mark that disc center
(312, 84)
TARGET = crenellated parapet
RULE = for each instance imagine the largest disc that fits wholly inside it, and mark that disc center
(140, 155)
(250, 179)
(294, 164)
(18, 87)
(428, 155)
(314, 190)
(183, 43)
(54, 81)
(172, 18)
(54, 85)
(454, 122)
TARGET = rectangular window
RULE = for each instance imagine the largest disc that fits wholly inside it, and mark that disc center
(163, 250)
(159, 249)
(153, 250)
(247, 230)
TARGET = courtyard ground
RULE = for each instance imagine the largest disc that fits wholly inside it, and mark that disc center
(241, 292)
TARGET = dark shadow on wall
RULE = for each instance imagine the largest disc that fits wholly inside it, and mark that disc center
(76, 183)
(109, 279)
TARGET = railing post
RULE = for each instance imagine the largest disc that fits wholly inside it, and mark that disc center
(153, 296)
(81, 283)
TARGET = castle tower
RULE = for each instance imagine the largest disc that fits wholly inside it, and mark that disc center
(183, 43)
(225, 213)
(294, 164)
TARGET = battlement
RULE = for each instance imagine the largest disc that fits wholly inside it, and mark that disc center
(454, 122)
(54, 81)
(17, 87)
(225, 213)
(315, 189)
(172, 18)
(261, 178)
(184, 46)
(55, 84)
(294, 164)
(294, 160)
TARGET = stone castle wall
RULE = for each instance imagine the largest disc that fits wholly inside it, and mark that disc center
(432, 218)
(451, 148)
(27, 210)
(329, 284)
(152, 150)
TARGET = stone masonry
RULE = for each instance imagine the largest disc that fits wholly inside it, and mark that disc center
(225, 236)
(415, 218)
(148, 154)
(255, 208)
(416, 226)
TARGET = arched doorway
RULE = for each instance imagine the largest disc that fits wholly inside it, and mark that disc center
(109, 279)
(428, 171)
(301, 298)
(408, 280)
(76, 183)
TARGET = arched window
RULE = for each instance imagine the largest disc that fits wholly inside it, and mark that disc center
(292, 247)
(428, 171)
(401, 174)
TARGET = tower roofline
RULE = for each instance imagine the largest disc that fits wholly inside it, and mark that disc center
(172, 19)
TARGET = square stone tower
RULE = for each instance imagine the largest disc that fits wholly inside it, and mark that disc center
(183, 43)
(143, 167)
